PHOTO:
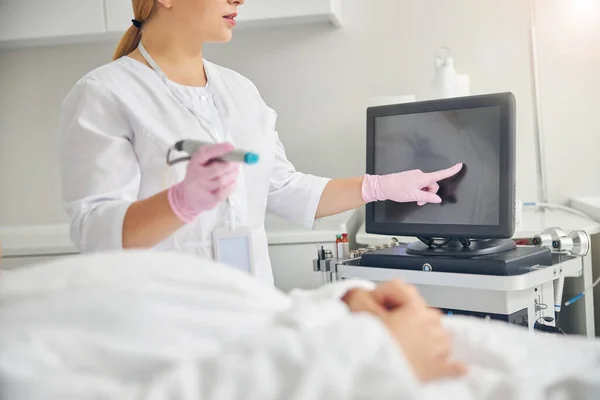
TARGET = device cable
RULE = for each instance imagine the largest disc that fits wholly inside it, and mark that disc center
(580, 295)
(547, 328)
(552, 206)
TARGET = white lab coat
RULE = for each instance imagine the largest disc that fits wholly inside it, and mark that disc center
(116, 126)
(169, 326)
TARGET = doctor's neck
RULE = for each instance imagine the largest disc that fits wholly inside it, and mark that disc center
(179, 54)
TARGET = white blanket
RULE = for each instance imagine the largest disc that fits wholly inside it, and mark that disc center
(166, 326)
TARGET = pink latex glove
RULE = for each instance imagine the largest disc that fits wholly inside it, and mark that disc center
(206, 182)
(407, 186)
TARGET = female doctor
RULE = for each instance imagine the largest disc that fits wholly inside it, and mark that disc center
(119, 121)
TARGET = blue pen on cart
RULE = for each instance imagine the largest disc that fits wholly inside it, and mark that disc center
(190, 146)
(580, 295)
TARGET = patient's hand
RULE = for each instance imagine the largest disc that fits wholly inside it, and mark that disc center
(417, 328)
(394, 294)
(425, 342)
(361, 300)
(386, 296)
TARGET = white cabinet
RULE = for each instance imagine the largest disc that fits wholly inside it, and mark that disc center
(25, 245)
(292, 249)
(42, 22)
(254, 13)
(57, 21)
(263, 13)
(7, 263)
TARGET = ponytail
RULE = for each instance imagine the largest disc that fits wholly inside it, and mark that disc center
(129, 42)
(142, 10)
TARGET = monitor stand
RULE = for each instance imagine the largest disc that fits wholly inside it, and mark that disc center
(463, 248)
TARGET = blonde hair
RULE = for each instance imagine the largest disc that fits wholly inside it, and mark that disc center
(142, 11)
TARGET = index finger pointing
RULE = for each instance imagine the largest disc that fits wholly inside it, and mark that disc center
(445, 173)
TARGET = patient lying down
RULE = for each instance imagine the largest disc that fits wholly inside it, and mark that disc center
(147, 325)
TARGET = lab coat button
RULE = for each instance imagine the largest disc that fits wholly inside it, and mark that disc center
(203, 98)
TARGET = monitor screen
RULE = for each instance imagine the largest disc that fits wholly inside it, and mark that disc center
(432, 141)
(437, 136)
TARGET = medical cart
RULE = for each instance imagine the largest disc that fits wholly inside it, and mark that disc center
(523, 298)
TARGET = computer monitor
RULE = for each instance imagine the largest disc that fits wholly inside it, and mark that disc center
(477, 203)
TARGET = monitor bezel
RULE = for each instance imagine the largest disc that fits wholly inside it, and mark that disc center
(507, 199)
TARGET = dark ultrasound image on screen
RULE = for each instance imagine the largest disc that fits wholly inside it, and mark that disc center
(437, 140)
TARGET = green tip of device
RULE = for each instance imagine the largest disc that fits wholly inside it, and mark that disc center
(251, 158)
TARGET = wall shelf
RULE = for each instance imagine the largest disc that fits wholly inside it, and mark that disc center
(28, 22)
(31, 23)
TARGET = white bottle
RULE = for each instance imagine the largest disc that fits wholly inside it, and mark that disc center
(445, 77)
(462, 85)
(345, 245)
(339, 247)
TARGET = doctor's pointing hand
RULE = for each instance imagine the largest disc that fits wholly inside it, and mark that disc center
(119, 121)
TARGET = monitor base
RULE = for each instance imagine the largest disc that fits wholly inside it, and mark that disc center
(464, 248)
(522, 260)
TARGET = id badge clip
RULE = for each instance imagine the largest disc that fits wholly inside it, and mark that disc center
(233, 246)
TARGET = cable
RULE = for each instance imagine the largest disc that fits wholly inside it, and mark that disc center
(177, 160)
(548, 328)
(580, 295)
(547, 319)
(445, 242)
(557, 207)
(426, 241)
(429, 242)
(560, 330)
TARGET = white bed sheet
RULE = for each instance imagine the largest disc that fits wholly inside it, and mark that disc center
(96, 325)
(509, 362)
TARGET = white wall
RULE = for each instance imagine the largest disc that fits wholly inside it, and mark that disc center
(570, 84)
(386, 48)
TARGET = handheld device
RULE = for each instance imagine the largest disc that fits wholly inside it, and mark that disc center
(191, 146)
